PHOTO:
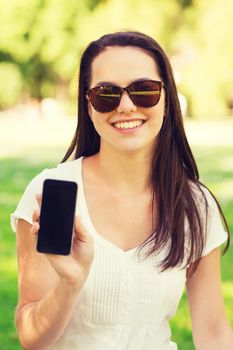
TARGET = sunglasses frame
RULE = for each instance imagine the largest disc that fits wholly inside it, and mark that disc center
(121, 91)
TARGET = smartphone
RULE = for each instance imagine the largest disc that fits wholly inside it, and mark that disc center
(57, 217)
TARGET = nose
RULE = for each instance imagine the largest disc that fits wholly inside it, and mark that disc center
(126, 105)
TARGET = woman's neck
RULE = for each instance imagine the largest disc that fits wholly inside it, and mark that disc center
(128, 173)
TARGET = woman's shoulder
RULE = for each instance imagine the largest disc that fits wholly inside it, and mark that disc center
(202, 194)
(209, 209)
(68, 170)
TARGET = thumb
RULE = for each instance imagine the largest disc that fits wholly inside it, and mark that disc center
(39, 199)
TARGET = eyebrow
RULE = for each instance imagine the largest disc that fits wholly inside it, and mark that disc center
(114, 83)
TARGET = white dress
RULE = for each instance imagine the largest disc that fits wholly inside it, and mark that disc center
(126, 302)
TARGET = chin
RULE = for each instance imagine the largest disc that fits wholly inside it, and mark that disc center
(134, 149)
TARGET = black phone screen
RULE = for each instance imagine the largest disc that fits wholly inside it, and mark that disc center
(57, 216)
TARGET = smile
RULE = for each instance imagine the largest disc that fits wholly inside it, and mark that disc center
(128, 125)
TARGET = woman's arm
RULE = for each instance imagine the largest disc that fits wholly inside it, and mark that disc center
(48, 290)
(211, 329)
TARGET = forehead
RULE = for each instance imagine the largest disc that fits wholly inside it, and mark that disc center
(122, 65)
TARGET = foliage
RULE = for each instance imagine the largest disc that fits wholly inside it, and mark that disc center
(41, 37)
(13, 83)
(208, 69)
(44, 40)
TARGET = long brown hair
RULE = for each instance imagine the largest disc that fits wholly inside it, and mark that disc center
(175, 178)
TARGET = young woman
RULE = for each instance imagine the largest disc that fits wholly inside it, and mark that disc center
(145, 225)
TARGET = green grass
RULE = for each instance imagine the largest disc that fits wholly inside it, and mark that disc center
(216, 169)
(14, 176)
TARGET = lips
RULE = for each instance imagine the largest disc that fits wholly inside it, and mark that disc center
(129, 124)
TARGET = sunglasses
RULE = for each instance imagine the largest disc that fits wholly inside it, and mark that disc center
(144, 93)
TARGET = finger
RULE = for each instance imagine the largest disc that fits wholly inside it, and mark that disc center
(78, 227)
(35, 228)
(36, 215)
(39, 198)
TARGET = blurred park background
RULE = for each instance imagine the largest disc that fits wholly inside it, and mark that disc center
(41, 42)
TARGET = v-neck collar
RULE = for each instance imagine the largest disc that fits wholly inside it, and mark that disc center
(84, 209)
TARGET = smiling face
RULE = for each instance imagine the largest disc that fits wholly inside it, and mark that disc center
(127, 128)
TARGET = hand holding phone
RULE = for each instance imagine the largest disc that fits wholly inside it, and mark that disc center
(57, 217)
(57, 242)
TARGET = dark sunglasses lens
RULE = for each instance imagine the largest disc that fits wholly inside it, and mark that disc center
(105, 98)
(145, 93)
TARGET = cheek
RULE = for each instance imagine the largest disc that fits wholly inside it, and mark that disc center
(156, 114)
(98, 119)
(159, 112)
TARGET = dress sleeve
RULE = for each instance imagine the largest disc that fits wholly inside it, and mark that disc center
(215, 235)
(28, 202)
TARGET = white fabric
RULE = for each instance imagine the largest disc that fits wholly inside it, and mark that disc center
(126, 303)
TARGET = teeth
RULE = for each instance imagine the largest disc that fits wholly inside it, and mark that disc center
(128, 125)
